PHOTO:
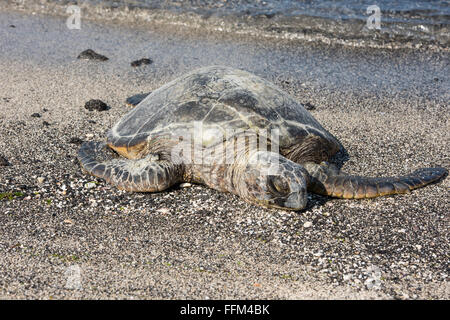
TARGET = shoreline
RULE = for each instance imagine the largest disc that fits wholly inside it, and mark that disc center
(315, 30)
(384, 106)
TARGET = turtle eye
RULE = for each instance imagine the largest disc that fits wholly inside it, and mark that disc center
(278, 185)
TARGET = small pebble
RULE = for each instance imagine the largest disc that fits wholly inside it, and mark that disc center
(95, 104)
(347, 277)
(89, 185)
(68, 221)
(185, 185)
(163, 210)
(40, 180)
(36, 115)
(307, 224)
(90, 54)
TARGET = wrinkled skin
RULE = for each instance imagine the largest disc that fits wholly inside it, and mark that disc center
(274, 181)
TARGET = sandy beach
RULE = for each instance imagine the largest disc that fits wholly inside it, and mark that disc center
(389, 109)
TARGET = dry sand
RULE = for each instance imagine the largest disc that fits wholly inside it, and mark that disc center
(388, 108)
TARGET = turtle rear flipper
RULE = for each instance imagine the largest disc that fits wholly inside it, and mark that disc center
(133, 101)
(325, 181)
(143, 175)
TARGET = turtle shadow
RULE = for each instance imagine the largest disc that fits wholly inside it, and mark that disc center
(340, 158)
(316, 200)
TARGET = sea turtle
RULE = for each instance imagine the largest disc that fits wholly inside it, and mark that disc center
(234, 132)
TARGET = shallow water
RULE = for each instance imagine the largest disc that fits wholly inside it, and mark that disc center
(419, 22)
(313, 69)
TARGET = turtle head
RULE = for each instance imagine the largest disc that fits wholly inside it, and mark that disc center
(273, 181)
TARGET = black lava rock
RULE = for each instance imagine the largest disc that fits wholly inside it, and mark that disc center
(144, 61)
(76, 140)
(136, 99)
(95, 104)
(90, 54)
(309, 106)
(36, 115)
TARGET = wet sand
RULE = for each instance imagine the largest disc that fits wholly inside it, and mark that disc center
(388, 108)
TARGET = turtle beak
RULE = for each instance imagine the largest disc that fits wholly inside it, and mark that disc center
(294, 201)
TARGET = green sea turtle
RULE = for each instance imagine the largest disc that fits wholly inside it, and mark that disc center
(234, 132)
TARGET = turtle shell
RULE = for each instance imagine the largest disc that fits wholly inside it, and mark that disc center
(224, 102)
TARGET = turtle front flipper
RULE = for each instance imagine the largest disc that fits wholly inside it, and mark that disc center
(327, 180)
(143, 175)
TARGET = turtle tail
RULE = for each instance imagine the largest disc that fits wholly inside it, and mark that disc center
(327, 180)
(143, 175)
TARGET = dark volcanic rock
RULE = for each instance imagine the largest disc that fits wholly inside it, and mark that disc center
(95, 104)
(309, 106)
(36, 115)
(136, 99)
(75, 140)
(90, 54)
(144, 61)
